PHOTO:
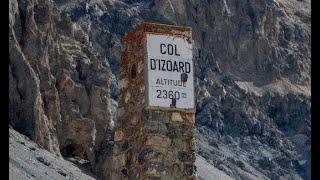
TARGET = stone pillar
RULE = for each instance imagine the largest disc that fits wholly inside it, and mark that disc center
(150, 142)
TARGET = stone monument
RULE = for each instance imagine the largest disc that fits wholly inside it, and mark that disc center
(155, 131)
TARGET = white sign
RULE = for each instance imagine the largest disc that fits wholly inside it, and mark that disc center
(170, 71)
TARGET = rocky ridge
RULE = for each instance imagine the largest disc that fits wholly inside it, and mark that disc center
(252, 66)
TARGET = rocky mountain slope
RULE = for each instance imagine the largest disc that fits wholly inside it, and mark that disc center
(252, 67)
(28, 160)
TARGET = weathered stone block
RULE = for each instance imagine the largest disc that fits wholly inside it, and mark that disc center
(124, 83)
(158, 141)
(147, 154)
(123, 121)
(117, 148)
(128, 132)
(163, 128)
(190, 118)
(127, 97)
(170, 157)
(118, 135)
(160, 116)
(119, 161)
(181, 129)
(152, 171)
(192, 144)
(135, 120)
(154, 168)
(176, 168)
(121, 111)
(176, 117)
(178, 143)
(151, 127)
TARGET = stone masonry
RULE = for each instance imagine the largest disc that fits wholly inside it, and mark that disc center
(150, 143)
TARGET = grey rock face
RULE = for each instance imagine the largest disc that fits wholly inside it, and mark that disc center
(59, 87)
(252, 67)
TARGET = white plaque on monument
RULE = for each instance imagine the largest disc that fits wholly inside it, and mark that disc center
(169, 71)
